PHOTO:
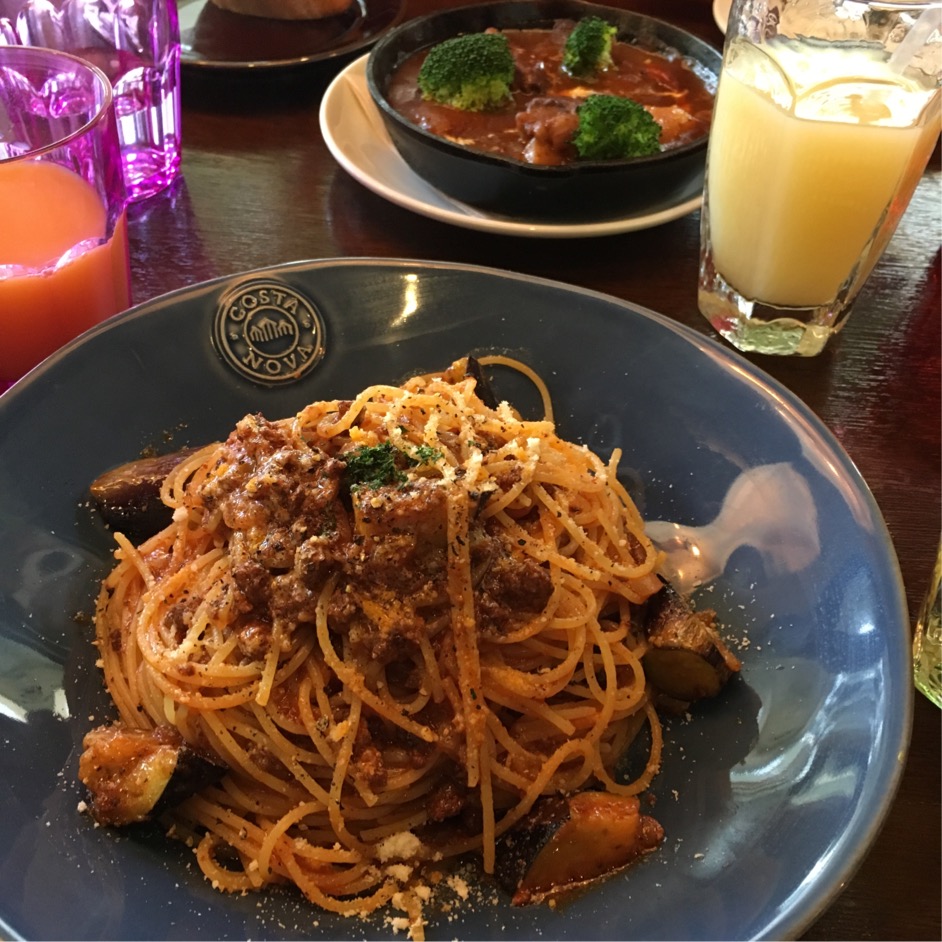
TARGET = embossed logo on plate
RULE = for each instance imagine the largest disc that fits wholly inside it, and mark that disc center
(268, 332)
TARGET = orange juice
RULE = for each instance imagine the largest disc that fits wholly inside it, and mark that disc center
(47, 211)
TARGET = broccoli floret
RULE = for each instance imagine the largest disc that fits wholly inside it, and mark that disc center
(589, 47)
(612, 127)
(472, 72)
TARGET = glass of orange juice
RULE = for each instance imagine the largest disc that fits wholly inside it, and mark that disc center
(826, 114)
(63, 233)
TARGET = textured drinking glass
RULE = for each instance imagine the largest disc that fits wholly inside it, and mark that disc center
(927, 642)
(826, 114)
(136, 43)
(63, 237)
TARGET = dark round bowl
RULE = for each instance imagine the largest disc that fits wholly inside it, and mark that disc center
(585, 191)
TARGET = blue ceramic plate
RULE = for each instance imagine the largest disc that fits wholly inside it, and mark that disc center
(769, 796)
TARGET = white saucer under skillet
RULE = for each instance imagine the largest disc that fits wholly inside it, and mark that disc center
(355, 135)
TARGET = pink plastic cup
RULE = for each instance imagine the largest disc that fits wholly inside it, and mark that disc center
(136, 43)
(63, 234)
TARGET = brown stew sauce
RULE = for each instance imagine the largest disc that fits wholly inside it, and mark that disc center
(537, 125)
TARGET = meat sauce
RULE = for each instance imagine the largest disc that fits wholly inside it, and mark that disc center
(293, 524)
(537, 125)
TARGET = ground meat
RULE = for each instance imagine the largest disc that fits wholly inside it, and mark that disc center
(368, 765)
(254, 580)
(513, 587)
(177, 619)
(313, 561)
(280, 496)
(269, 480)
(294, 524)
(392, 631)
(255, 639)
(446, 801)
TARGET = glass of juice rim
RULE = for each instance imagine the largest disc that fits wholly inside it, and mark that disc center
(63, 241)
(45, 122)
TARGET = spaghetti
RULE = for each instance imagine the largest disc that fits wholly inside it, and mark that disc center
(397, 622)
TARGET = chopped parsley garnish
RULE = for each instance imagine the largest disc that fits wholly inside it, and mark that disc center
(426, 454)
(373, 466)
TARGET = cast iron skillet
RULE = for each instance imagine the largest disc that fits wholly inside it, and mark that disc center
(589, 191)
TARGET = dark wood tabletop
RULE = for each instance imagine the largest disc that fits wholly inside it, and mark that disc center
(259, 187)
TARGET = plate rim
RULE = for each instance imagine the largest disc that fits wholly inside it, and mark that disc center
(721, 10)
(837, 862)
(337, 96)
(247, 66)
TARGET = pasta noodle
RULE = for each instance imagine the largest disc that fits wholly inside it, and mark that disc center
(391, 672)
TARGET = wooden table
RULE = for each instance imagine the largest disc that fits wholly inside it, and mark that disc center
(259, 187)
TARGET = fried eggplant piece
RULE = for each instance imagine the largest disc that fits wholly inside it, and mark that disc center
(470, 366)
(687, 659)
(134, 775)
(482, 384)
(128, 497)
(568, 842)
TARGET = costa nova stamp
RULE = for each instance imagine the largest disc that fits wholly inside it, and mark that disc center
(268, 332)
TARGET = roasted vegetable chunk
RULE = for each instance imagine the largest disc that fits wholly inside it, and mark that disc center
(134, 774)
(482, 384)
(687, 659)
(566, 842)
(128, 497)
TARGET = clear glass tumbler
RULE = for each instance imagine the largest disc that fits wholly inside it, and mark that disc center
(826, 114)
(136, 43)
(63, 235)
